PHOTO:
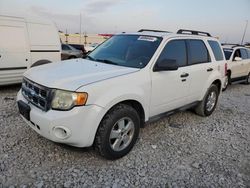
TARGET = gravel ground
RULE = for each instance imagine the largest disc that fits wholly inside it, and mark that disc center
(183, 150)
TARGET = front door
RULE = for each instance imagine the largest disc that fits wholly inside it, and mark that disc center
(170, 88)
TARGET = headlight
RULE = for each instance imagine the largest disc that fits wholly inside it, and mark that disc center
(65, 100)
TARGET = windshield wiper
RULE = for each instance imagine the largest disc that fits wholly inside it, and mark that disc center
(102, 60)
(90, 58)
(106, 61)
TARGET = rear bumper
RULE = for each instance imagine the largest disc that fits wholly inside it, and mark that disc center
(76, 127)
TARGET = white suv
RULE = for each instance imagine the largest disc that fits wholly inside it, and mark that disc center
(238, 63)
(130, 79)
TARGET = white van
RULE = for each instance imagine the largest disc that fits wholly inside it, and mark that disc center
(24, 43)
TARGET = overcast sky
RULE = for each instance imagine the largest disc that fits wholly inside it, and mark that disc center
(223, 18)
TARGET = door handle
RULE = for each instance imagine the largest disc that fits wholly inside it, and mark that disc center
(184, 75)
(0, 56)
(210, 69)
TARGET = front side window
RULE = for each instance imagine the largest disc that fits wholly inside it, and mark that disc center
(198, 52)
(237, 53)
(216, 50)
(126, 50)
(227, 52)
(175, 51)
(243, 53)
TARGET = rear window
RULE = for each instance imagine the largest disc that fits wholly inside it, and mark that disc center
(198, 52)
(227, 52)
(243, 53)
(216, 50)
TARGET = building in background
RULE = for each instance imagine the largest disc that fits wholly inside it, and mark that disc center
(87, 39)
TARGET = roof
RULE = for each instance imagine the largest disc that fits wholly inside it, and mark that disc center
(165, 34)
(181, 32)
(32, 18)
(232, 46)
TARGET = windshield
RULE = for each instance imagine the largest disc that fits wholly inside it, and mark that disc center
(126, 50)
(228, 52)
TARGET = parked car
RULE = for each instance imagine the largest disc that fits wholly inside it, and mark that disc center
(24, 44)
(128, 80)
(91, 47)
(79, 47)
(69, 52)
(238, 64)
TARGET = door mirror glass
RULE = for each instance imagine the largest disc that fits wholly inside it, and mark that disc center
(166, 65)
(237, 59)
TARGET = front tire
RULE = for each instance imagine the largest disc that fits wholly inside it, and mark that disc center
(209, 102)
(118, 132)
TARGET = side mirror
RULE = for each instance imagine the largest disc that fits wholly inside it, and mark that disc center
(166, 65)
(237, 59)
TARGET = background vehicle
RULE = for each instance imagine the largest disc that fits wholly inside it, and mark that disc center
(238, 63)
(128, 80)
(24, 44)
(80, 47)
(69, 52)
(91, 47)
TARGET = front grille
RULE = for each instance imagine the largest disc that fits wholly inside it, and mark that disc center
(38, 95)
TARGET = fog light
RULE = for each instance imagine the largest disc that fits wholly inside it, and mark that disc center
(61, 132)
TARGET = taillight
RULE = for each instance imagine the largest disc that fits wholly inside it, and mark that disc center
(225, 69)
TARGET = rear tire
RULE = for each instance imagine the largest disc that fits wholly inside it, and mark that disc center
(227, 82)
(248, 79)
(209, 102)
(72, 57)
(118, 132)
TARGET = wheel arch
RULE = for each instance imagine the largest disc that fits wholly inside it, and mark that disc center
(41, 62)
(133, 103)
(218, 84)
(217, 81)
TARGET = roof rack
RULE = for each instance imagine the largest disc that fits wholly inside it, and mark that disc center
(151, 30)
(192, 32)
(233, 45)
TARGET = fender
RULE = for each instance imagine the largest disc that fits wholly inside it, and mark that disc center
(209, 82)
(111, 98)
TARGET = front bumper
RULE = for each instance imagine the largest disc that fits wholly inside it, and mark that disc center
(76, 127)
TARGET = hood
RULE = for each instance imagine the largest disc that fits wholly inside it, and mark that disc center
(72, 74)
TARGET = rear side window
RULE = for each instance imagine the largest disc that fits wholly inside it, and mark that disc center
(243, 53)
(198, 52)
(175, 50)
(248, 51)
(216, 50)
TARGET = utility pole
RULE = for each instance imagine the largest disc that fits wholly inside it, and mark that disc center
(66, 35)
(244, 33)
(80, 28)
(85, 38)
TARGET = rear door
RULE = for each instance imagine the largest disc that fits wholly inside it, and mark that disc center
(13, 45)
(248, 62)
(245, 62)
(200, 66)
(237, 67)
